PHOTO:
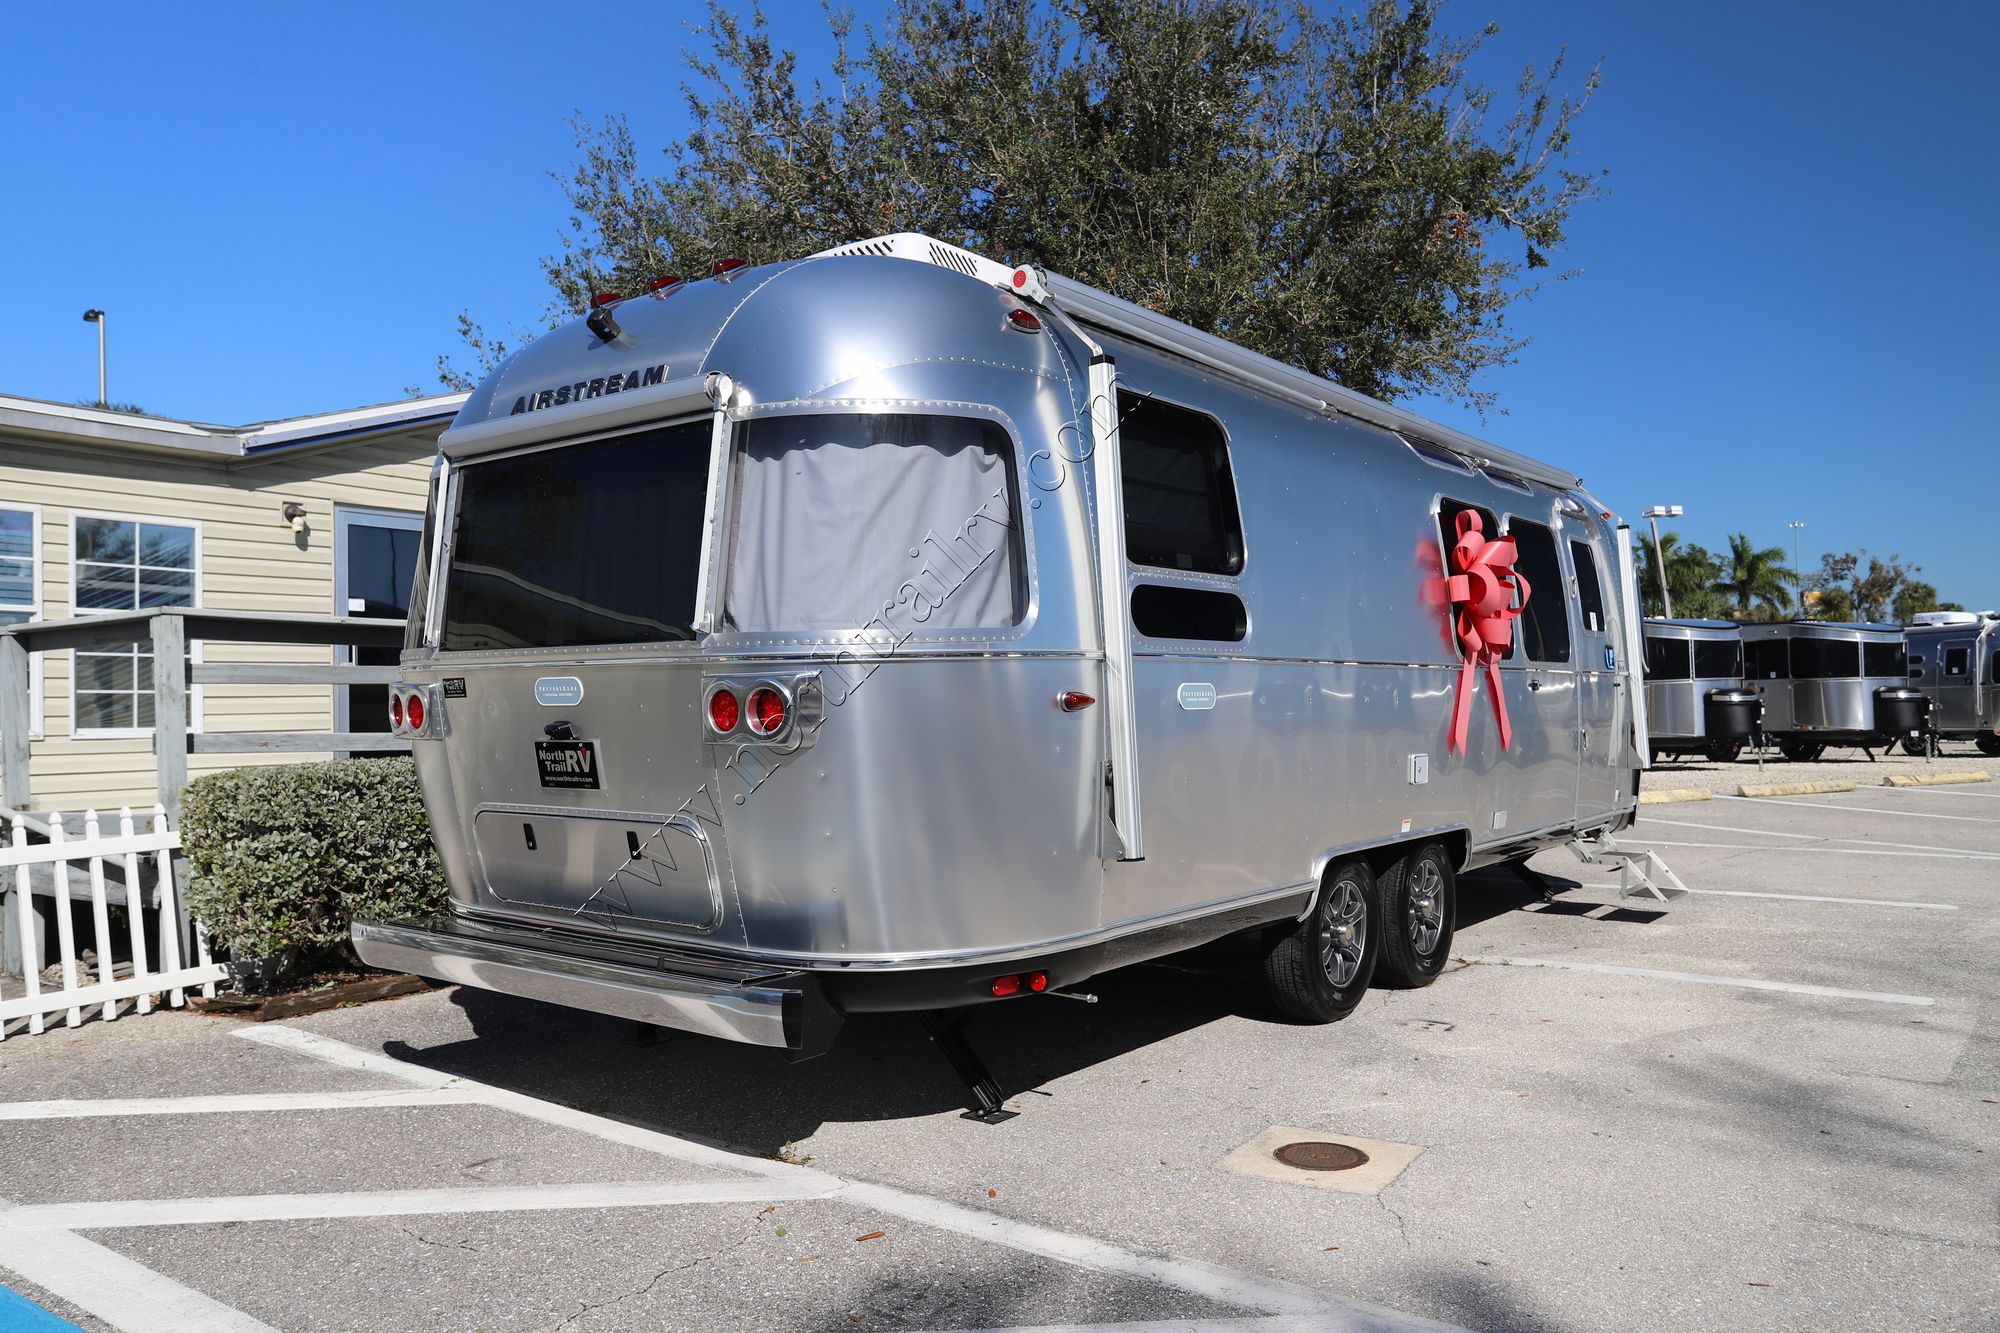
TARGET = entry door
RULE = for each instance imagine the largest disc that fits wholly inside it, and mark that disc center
(374, 565)
(1602, 717)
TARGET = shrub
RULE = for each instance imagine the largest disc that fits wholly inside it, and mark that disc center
(281, 859)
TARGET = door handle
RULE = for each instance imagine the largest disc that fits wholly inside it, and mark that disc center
(1534, 684)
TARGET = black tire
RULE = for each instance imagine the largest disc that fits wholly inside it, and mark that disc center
(1989, 745)
(1317, 970)
(1801, 752)
(1916, 749)
(1724, 752)
(1417, 904)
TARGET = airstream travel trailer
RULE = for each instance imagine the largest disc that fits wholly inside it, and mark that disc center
(1826, 683)
(1696, 702)
(896, 630)
(1955, 661)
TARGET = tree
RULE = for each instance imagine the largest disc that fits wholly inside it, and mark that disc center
(1916, 597)
(1755, 580)
(1692, 573)
(1335, 190)
(1848, 591)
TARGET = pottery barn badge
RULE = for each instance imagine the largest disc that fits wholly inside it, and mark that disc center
(620, 382)
(558, 691)
(1196, 696)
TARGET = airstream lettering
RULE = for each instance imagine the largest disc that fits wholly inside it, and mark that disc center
(949, 632)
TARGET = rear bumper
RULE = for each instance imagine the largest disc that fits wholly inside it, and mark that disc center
(758, 1007)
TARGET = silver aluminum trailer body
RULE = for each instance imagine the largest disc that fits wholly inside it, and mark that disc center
(891, 491)
(1819, 681)
(1690, 666)
(1956, 663)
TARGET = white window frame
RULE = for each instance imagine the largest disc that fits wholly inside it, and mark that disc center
(78, 731)
(34, 513)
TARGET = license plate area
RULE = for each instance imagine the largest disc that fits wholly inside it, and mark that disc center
(568, 765)
(603, 869)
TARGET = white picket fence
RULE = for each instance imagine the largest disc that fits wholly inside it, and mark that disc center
(134, 980)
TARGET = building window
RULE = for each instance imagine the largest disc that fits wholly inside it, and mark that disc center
(21, 591)
(123, 564)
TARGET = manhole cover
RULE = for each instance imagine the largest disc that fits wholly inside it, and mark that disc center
(1321, 1156)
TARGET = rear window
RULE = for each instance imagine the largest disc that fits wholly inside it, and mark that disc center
(1718, 659)
(887, 523)
(1666, 659)
(1885, 659)
(1826, 659)
(584, 544)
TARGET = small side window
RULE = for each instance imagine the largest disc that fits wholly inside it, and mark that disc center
(1916, 666)
(1544, 620)
(1769, 659)
(1166, 611)
(1957, 662)
(1589, 592)
(1180, 501)
(1667, 659)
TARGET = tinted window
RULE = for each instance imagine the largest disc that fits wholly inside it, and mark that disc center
(1767, 659)
(586, 544)
(1161, 611)
(1589, 593)
(1825, 659)
(1666, 659)
(1489, 526)
(889, 524)
(1718, 659)
(1884, 659)
(1957, 661)
(1180, 503)
(1544, 623)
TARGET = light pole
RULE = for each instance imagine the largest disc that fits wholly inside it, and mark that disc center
(1654, 513)
(97, 317)
(1798, 570)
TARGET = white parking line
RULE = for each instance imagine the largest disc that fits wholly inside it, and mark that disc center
(1321, 1323)
(1804, 898)
(105, 1284)
(238, 1102)
(1937, 791)
(1951, 855)
(1698, 979)
(1810, 837)
(1856, 809)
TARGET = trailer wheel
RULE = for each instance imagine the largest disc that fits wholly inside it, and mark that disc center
(1724, 752)
(1914, 747)
(1417, 903)
(1801, 752)
(1318, 970)
(1989, 745)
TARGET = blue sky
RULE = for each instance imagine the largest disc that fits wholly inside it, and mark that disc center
(1787, 309)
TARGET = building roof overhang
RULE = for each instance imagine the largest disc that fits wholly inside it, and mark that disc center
(36, 419)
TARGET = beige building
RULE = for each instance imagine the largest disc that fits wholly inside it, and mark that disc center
(104, 511)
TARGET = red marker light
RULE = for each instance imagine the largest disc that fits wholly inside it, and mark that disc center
(415, 712)
(1038, 982)
(602, 299)
(664, 281)
(1005, 986)
(723, 711)
(723, 266)
(1024, 320)
(395, 711)
(1074, 701)
(767, 710)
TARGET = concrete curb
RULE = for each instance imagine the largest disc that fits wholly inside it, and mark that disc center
(1674, 796)
(1798, 789)
(1934, 779)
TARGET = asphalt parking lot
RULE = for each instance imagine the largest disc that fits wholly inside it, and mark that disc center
(1775, 1105)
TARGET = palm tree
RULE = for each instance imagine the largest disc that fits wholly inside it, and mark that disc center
(1691, 576)
(1756, 581)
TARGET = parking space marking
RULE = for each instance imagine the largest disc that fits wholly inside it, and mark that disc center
(107, 1285)
(398, 1203)
(1951, 854)
(1812, 837)
(1937, 791)
(1804, 898)
(1699, 979)
(1857, 809)
(1254, 1324)
(237, 1102)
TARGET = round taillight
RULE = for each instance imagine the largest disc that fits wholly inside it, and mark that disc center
(1024, 320)
(767, 710)
(395, 710)
(414, 710)
(1038, 982)
(723, 711)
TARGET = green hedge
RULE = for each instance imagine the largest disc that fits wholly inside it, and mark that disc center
(280, 859)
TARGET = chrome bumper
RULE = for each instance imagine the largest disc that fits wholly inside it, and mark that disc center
(758, 1007)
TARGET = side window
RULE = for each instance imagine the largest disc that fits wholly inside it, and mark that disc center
(1544, 623)
(1180, 501)
(1769, 659)
(1916, 666)
(1589, 593)
(1885, 660)
(1718, 659)
(1489, 524)
(1667, 659)
(1957, 662)
(1167, 611)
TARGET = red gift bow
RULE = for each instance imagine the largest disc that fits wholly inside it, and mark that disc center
(1480, 591)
